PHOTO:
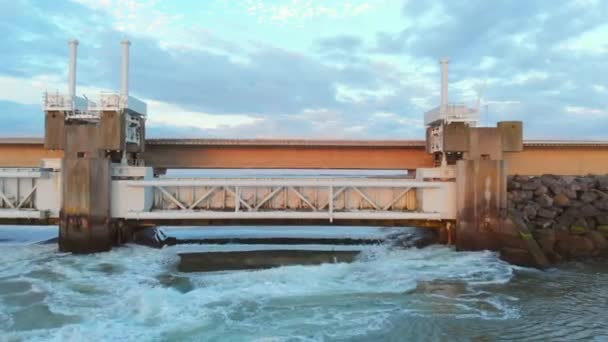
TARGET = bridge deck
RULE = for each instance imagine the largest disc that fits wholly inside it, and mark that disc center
(538, 157)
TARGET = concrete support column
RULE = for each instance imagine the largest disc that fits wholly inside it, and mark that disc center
(481, 205)
(85, 222)
(482, 221)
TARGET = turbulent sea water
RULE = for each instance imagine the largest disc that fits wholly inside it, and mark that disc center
(135, 293)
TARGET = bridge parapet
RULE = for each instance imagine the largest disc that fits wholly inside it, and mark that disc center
(137, 196)
(292, 198)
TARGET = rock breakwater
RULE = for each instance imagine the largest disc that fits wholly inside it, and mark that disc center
(568, 215)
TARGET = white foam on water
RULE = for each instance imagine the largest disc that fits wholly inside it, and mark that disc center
(119, 295)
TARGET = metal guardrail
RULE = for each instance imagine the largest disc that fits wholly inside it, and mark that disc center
(284, 198)
(18, 190)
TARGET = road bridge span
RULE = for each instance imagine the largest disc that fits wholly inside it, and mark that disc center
(538, 157)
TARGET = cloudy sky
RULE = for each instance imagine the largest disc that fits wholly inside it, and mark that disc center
(314, 68)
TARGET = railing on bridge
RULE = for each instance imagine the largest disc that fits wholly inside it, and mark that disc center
(35, 194)
(18, 193)
(289, 198)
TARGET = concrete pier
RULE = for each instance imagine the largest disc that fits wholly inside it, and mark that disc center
(85, 223)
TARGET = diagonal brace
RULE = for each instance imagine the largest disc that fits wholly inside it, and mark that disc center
(365, 197)
(169, 196)
(386, 207)
(238, 196)
(333, 197)
(207, 194)
(29, 194)
(304, 199)
(268, 197)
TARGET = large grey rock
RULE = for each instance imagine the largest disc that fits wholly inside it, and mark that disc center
(530, 210)
(572, 212)
(516, 196)
(561, 200)
(599, 241)
(548, 179)
(541, 190)
(546, 213)
(544, 201)
(531, 185)
(589, 211)
(576, 203)
(602, 182)
(602, 219)
(568, 179)
(571, 194)
(587, 182)
(512, 184)
(581, 222)
(575, 246)
(565, 220)
(546, 239)
(601, 204)
(588, 197)
(591, 222)
(544, 223)
(576, 186)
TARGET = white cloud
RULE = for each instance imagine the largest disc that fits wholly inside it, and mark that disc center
(528, 76)
(162, 113)
(586, 111)
(398, 119)
(602, 89)
(594, 41)
(487, 63)
(303, 10)
(30, 91)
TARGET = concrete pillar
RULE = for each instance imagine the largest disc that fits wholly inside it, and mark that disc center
(481, 204)
(481, 178)
(85, 222)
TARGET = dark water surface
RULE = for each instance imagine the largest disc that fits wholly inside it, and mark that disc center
(432, 294)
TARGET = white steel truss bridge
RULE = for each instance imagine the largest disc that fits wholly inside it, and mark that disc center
(35, 194)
